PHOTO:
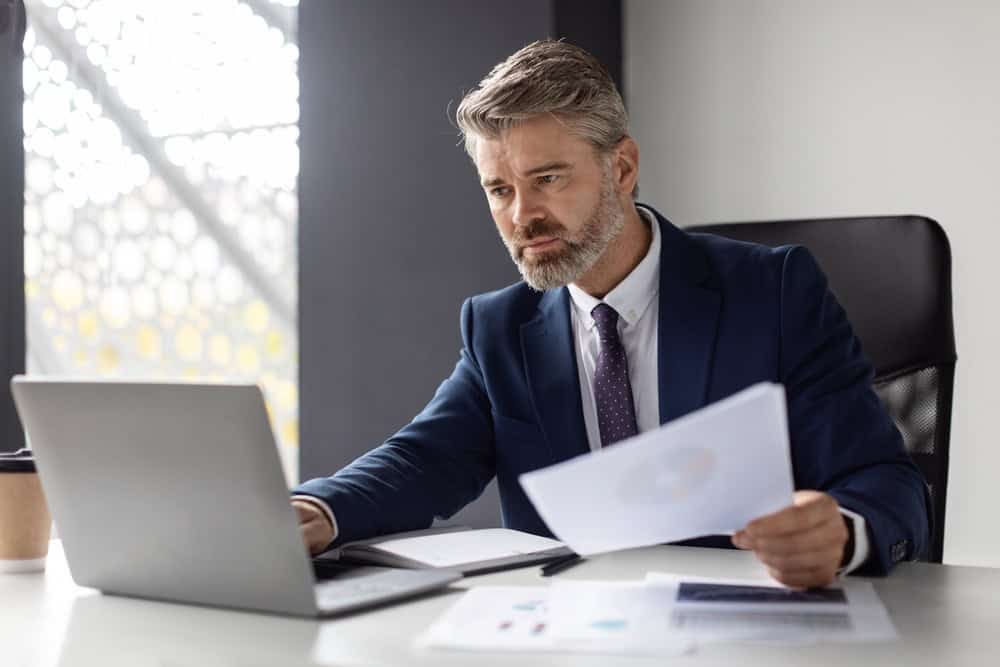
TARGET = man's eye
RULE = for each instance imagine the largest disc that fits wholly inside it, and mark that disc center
(499, 192)
(548, 179)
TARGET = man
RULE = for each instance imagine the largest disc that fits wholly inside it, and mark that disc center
(624, 322)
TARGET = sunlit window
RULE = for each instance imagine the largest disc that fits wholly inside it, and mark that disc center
(160, 215)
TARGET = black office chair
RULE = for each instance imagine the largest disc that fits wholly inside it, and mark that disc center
(892, 275)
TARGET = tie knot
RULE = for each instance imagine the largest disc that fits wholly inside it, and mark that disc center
(606, 320)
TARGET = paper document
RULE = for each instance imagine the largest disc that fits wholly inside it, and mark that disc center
(710, 472)
(663, 615)
(588, 617)
(613, 617)
(495, 618)
(707, 609)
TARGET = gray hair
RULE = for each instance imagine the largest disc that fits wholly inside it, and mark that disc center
(546, 77)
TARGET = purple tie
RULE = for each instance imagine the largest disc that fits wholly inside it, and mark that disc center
(612, 390)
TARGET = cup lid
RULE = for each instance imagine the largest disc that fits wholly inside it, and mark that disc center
(23, 460)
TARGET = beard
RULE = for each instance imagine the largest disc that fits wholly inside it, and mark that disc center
(579, 251)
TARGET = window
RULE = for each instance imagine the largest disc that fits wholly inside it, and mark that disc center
(160, 204)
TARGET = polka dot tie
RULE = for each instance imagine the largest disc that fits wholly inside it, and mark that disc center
(612, 390)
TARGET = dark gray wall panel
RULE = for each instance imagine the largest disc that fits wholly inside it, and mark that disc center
(596, 25)
(11, 218)
(394, 229)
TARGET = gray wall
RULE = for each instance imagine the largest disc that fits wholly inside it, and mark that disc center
(394, 229)
(11, 220)
(808, 108)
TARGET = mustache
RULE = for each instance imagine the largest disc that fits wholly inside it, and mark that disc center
(535, 229)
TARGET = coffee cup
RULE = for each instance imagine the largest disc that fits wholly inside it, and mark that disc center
(25, 523)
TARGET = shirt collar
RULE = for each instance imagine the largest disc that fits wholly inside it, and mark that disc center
(635, 292)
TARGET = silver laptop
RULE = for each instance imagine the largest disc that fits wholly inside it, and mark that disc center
(174, 491)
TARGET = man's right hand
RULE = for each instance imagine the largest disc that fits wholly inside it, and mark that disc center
(317, 532)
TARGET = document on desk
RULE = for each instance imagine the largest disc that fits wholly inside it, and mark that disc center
(663, 615)
(580, 617)
(707, 473)
(612, 617)
(711, 610)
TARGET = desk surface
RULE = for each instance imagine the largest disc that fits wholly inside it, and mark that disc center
(944, 614)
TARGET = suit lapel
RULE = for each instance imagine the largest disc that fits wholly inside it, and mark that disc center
(550, 366)
(688, 324)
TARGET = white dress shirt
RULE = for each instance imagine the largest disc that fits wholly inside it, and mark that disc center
(635, 300)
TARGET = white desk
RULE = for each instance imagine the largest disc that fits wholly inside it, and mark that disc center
(945, 615)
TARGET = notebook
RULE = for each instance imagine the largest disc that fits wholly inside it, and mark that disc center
(469, 551)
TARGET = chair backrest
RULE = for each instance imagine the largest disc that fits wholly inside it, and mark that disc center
(892, 275)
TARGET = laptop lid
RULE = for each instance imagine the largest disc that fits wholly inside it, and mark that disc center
(168, 490)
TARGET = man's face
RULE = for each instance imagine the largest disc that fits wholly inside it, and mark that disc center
(552, 198)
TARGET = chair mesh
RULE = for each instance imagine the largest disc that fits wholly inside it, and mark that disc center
(912, 402)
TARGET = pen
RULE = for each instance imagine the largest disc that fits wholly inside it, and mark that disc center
(560, 564)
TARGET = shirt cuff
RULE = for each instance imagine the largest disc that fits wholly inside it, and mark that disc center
(860, 528)
(313, 500)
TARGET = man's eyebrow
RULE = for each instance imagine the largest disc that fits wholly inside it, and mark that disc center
(490, 182)
(556, 165)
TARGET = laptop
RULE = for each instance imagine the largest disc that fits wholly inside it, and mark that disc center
(174, 491)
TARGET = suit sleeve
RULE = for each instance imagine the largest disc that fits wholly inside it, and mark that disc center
(843, 441)
(434, 466)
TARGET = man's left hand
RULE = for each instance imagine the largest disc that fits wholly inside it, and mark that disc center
(802, 546)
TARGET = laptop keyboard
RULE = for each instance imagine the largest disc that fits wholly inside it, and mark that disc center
(328, 568)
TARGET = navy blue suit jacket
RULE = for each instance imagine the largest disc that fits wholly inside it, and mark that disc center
(731, 314)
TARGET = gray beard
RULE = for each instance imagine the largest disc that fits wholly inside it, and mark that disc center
(581, 252)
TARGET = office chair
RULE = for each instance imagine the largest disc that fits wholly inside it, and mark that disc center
(892, 275)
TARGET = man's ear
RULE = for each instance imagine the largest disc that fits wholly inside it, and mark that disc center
(626, 165)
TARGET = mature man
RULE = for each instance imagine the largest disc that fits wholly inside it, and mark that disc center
(624, 322)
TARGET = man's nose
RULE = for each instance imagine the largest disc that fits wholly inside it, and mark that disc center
(527, 209)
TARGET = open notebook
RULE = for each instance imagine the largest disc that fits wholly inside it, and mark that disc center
(469, 551)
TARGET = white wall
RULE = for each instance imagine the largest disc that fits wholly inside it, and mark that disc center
(764, 109)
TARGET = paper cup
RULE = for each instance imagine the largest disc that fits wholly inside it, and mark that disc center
(25, 523)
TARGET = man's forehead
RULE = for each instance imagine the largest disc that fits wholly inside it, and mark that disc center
(522, 149)
(494, 155)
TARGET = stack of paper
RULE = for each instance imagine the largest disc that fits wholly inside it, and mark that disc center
(706, 610)
(664, 615)
(596, 618)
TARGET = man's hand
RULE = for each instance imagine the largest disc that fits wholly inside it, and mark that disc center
(316, 529)
(802, 545)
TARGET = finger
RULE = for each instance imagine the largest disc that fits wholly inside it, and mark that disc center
(312, 526)
(789, 520)
(793, 519)
(831, 535)
(803, 579)
(803, 561)
(806, 578)
(740, 540)
(315, 536)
